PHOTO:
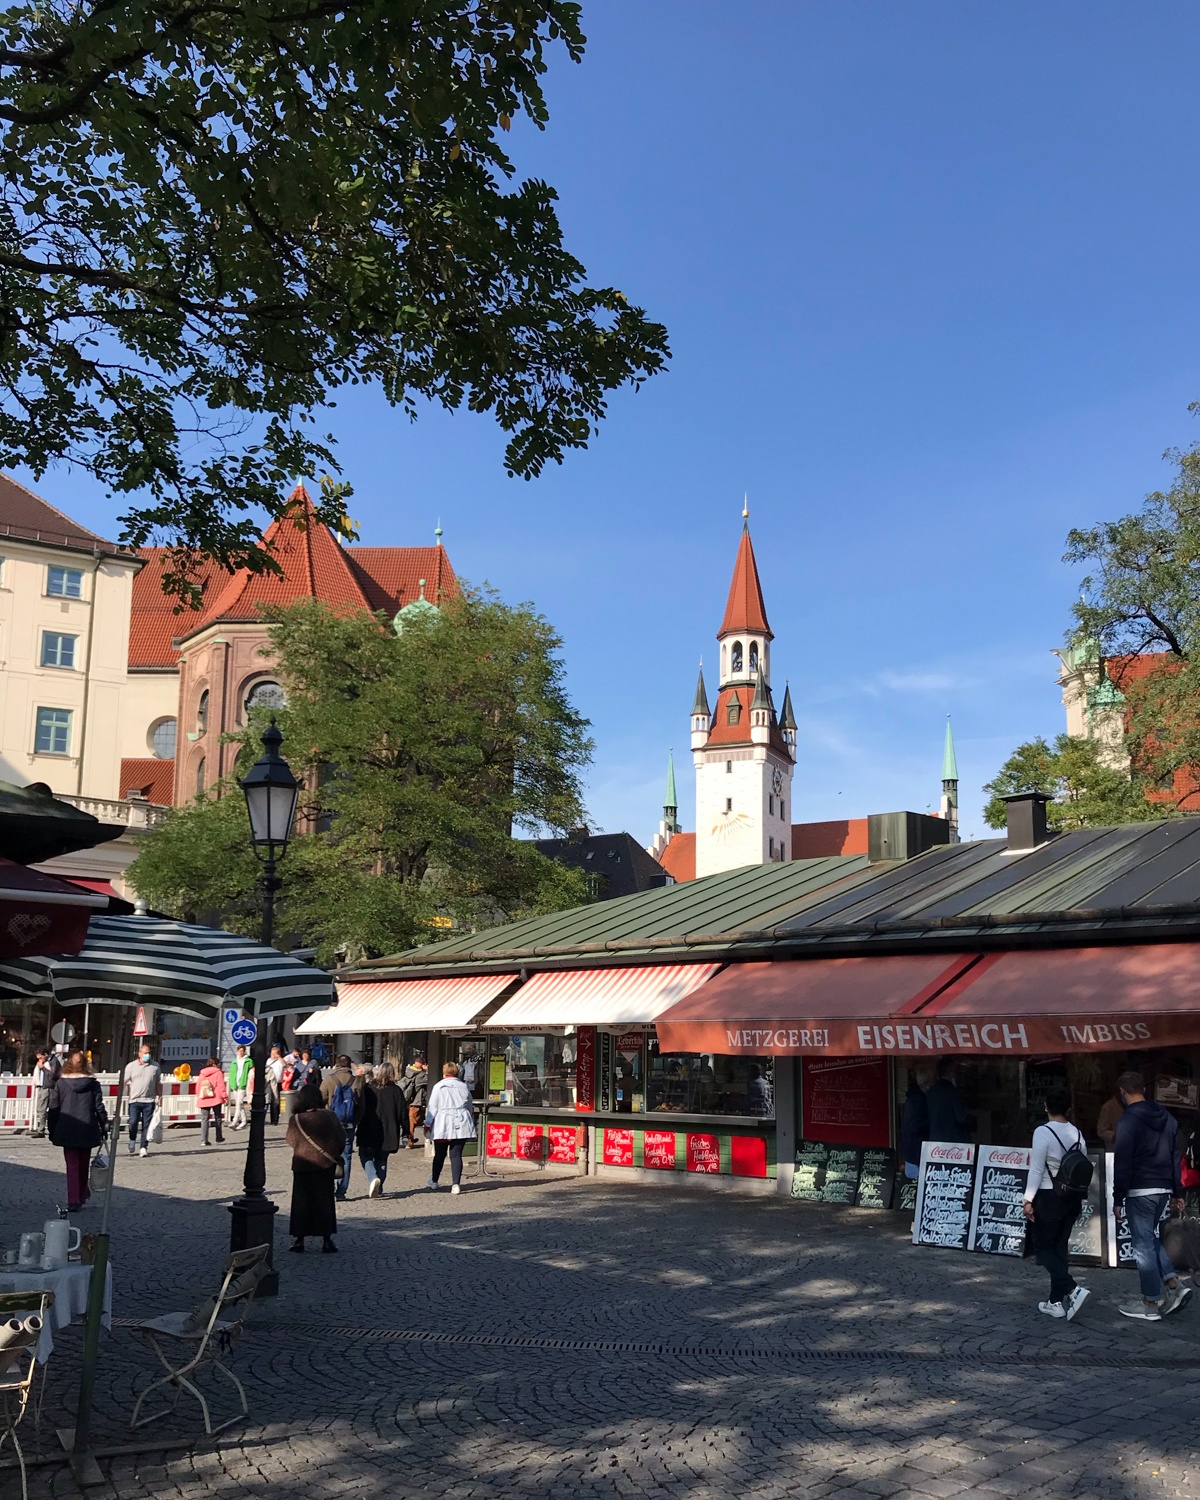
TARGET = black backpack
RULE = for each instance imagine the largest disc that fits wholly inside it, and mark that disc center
(1074, 1173)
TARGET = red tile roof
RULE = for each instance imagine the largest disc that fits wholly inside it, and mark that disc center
(26, 515)
(155, 779)
(745, 610)
(153, 622)
(678, 859)
(838, 836)
(390, 577)
(725, 733)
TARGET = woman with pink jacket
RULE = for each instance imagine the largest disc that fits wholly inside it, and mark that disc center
(212, 1093)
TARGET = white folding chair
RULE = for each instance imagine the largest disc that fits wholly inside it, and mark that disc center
(17, 1381)
(204, 1336)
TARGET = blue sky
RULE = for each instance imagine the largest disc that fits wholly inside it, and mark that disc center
(929, 274)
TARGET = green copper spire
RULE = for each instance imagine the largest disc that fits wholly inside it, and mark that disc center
(762, 696)
(787, 719)
(949, 760)
(670, 799)
(700, 702)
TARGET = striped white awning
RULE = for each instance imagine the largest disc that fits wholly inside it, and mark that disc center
(407, 1005)
(601, 997)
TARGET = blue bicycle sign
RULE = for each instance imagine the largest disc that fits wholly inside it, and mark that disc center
(244, 1032)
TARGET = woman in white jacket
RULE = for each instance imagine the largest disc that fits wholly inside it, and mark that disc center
(449, 1123)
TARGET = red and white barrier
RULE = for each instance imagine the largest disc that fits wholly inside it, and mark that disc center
(179, 1104)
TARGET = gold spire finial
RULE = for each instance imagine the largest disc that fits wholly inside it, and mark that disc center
(746, 506)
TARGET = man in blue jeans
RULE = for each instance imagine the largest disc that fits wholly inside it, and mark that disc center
(1146, 1178)
(342, 1090)
(143, 1088)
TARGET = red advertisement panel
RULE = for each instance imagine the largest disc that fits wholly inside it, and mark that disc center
(618, 1148)
(703, 1153)
(846, 1101)
(499, 1141)
(658, 1149)
(563, 1145)
(531, 1140)
(585, 1069)
(748, 1155)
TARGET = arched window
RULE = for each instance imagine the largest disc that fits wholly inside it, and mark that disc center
(202, 713)
(736, 664)
(200, 770)
(753, 657)
(265, 694)
(162, 739)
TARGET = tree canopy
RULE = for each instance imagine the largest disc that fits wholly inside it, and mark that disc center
(422, 753)
(1086, 792)
(1143, 600)
(216, 213)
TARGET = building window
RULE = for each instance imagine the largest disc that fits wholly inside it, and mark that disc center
(163, 737)
(734, 714)
(782, 814)
(265, 695)
(771, 848)
(770, 805)
(753, 657)
(729, 768)
(736, 664)
(58, 650)
(539, 1071)
(202, 713)
(64, 583)
(53, 734)
(728, 804)
(200, 770)
(705, 1083)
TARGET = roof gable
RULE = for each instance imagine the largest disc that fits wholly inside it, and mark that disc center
(27, 516)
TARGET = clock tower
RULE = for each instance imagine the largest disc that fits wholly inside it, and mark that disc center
(744, 755)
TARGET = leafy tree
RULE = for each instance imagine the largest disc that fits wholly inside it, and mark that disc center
(1143, 599)
(1086, 792)
(216, 213)
(421, 753)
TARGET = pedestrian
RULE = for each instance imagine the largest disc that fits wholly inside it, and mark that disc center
(317, 1140)
(342, 1092)
(758, 1092)
(415, 1088)
(212, 1094)
(46, 1073)
(1106, 1121)
(949, 1119)
(275, 1067)
(304, 1070)
(381, 1130)
(78, 1122)
(240, 1081)
(1050, 1208)
(914, 1120)
(143, 1089)
(449, 1123)
(1146, 1178)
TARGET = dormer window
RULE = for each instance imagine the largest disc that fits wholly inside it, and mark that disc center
(735, 665)
(734, 711)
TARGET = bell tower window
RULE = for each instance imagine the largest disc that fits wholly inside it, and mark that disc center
(735, 665)
(753, 657)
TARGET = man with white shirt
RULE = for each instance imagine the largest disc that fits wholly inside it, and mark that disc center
(45, 1076)
(275, 1067)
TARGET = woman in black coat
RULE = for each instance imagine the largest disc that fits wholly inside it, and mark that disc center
(77, 1120)
(385, 1112)
(317, 1138)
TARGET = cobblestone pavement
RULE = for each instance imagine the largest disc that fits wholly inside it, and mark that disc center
(539, 1337)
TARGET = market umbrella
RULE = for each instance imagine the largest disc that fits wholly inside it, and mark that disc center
(177, 965)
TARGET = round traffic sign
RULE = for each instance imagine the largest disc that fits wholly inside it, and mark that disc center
(231, 1016)
(63, 1033)
(244, 1032)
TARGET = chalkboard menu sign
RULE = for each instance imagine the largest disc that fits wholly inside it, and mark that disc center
(1087, 1238)
(906, 1197)
(1120, 1241)
(945, 1190)
(997, 1215)
(809, 1177)
(841, 1175)
(877, 1180)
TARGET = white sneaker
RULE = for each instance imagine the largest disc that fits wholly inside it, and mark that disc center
(1075, 1301)
(374, 1188)
(143, 1152)
(456, 1188)
(1052, 1309)
(431, 1184)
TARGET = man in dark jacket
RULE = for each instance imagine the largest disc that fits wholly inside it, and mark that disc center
(949, 1119)
(914, 1122)
(1146, 1178)
(342, 1091)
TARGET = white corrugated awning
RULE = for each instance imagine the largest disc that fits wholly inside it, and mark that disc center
(601, 997)
(407, 1004)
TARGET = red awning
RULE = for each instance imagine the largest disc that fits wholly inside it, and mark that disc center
(40, 913)
(806, 1006)
(407, 1005)
(600, 997)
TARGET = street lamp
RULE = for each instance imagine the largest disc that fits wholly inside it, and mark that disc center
(271, 796)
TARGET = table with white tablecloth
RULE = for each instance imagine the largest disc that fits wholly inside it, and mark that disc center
(70, 1288)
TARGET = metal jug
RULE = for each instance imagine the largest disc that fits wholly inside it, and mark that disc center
(58, 1243)
(32, 1246)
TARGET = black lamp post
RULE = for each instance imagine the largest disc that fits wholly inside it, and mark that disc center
(271, 796)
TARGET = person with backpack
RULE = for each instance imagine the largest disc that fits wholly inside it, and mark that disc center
(342, 1092)
(415, 1088)
(1059, 1176)
(1147, 1176)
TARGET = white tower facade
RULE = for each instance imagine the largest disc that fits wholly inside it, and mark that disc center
(743, 754)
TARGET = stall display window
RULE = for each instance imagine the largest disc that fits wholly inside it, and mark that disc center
(471, 1055)
(539, 1070)
(628, 1073)
(707, 1083)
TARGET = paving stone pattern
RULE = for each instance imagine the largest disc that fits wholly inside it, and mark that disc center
(540, 1338)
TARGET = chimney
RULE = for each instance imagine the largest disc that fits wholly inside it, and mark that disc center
(1026, 820)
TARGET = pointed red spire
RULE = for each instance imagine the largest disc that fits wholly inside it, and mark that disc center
(745, 611)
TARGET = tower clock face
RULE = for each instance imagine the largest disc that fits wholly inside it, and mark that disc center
(777, 780)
